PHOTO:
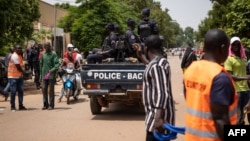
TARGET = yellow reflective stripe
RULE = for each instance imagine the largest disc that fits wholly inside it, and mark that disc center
(208, 115)
(203, 134)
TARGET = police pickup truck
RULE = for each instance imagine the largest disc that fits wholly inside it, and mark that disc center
(112, 82)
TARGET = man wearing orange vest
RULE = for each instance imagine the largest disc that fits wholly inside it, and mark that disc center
(211, 99)
(15, 78)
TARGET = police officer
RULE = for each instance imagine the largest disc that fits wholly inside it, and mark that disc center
(35, 51)
(130, 38)
(147, 26)
(108, 47)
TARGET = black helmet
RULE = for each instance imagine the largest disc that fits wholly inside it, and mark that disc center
(110, 26)
(116, 27)
(130, 22)
(145, 11)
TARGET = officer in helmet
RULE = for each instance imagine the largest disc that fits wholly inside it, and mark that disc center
(147, 26)
(108, 47)
(131, 38)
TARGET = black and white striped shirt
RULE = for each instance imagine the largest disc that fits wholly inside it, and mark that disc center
(157, 92)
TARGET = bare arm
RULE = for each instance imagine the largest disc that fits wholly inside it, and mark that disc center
(141, 56)
(239, 78)
(159, 121)
(19, 68)
(220, 114)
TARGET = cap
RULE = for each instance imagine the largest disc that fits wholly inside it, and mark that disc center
(234, 39)
(76, 49)
(69, 45)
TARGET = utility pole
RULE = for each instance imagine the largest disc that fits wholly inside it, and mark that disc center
(55, 26)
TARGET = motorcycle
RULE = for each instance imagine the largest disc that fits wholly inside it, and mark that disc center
(70, 88)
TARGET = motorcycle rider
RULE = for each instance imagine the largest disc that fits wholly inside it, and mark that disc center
(66, 62)
(70, 48)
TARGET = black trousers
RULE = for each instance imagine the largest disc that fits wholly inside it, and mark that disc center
(36, 68)
(48, 89)
(150, 137)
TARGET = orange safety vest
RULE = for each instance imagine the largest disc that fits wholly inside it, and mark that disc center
(198, 82)
(12, 69)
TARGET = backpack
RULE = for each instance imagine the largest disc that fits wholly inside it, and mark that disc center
(147, 28)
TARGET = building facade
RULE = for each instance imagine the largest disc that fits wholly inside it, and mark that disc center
(50, 16)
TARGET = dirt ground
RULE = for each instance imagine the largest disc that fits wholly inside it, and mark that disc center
(75, 122)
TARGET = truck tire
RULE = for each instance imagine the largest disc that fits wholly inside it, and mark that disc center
(95, 107)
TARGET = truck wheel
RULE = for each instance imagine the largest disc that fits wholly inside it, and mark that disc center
(95, 107)
(68, 95)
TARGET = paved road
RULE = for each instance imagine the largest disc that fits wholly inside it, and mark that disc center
(75, 122)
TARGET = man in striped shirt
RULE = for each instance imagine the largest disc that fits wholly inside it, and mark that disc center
(157, 93)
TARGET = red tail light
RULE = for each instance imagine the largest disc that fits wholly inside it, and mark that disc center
(93, 86)
(139, 87)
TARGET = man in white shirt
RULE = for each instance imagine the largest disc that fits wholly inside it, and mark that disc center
(78, 56)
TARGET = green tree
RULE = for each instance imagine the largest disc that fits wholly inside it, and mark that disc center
(233, 16)
(216, 18)
(239, 20)
(188, 35)
(16, 18)
(87, 22)
(41, 36)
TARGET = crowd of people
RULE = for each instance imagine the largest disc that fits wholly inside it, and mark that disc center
(42, 60)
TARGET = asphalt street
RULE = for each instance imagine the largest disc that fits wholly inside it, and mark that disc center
(74, 122)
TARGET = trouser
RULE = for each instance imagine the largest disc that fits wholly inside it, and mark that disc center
(94, 58)
(243, 98)
(16, 85)
(37, 72)
(150, 137)
(7, 87)
(31, 66)
(48, 89)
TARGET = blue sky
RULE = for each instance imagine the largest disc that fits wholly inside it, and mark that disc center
(185, 12)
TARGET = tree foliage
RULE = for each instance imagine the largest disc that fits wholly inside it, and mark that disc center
(87, 22)
(233, 16)
(239, 20)
(16, 18)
